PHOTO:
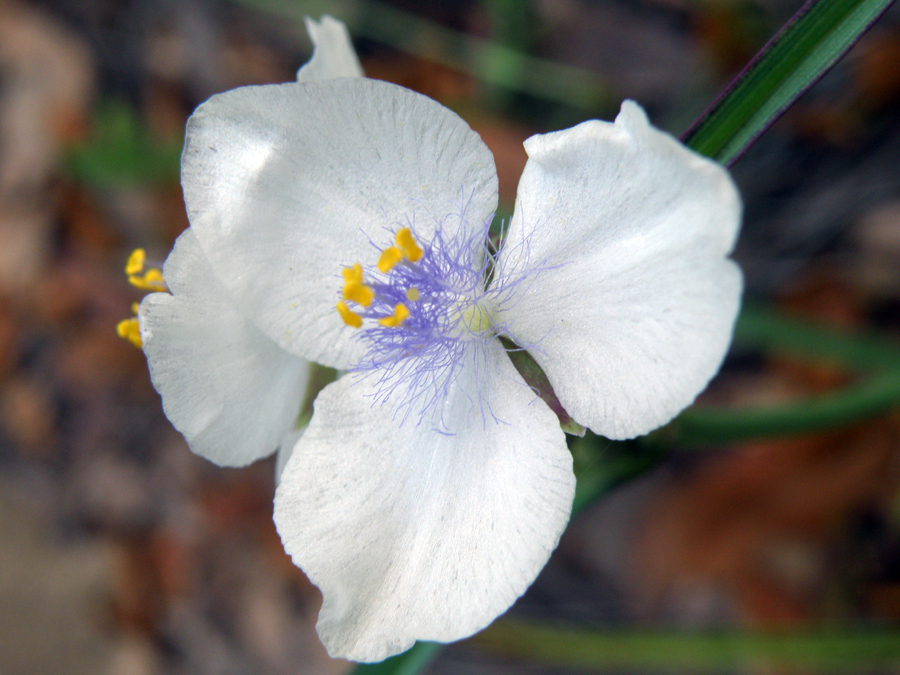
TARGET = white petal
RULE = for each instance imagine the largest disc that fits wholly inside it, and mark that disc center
(632, 301)
(333, 54)
(412, 534)
(230, 390)
(286, 184)
(285, 450)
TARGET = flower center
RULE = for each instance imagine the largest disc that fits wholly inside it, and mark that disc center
(427, 292)
(419, 309)
(474, 319)
(357, 292)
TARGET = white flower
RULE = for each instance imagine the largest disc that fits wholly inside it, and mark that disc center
(431, 484)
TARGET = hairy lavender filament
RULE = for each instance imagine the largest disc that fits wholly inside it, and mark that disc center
(419, 309)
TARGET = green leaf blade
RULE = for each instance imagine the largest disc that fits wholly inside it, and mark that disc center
(850, 651)
(804, 50)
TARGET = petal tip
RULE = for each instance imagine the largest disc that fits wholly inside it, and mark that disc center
(631, 113)
(333, 54)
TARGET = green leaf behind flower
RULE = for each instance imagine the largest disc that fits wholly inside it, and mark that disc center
(804, 50)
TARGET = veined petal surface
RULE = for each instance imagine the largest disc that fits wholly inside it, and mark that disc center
(333, 54)
(231, 391)
(285, 185)
(413, 534)
(633, 305)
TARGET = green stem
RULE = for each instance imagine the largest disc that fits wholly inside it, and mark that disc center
(877, 358)
(696, 652)
(771, 331)
(828, 411)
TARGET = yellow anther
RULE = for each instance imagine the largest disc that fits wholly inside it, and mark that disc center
(350, 317)
(408, 244)
(359, 294)
(130, 329)
(389, 257)
(134, 307)
(353, 275)
(401, 313)
(354, 288)
(412, 294)
(135, 264)
(151, 280)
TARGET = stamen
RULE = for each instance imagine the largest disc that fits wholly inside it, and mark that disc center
(408, 244)
(146, 279)
(401, 313)
(152, 280)
(149, 280)
(437, 292)
(354, 288)
(353, 275)
(389, 258)
(362, 295)
(130, 329)
(135, 264)
(350, 317)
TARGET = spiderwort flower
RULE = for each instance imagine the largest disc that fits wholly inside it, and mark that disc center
(344, 221)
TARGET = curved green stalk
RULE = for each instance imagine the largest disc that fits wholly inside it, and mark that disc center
(876, 359)
(831, 651)
(771, 331)
(828, 411)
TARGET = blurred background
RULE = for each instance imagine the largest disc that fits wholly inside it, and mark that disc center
(123, 553)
